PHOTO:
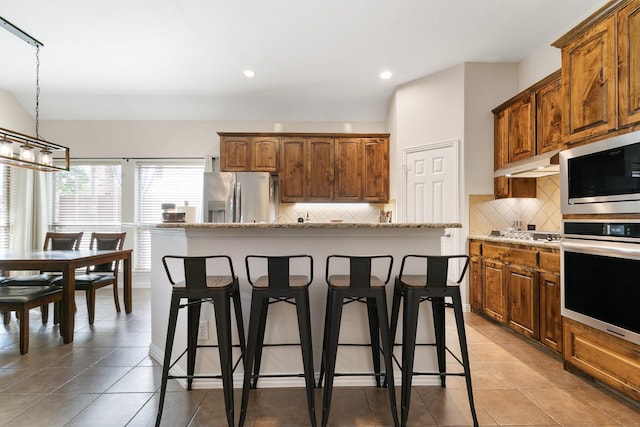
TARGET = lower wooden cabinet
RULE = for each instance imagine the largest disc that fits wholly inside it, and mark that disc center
(608, 359)
(522, 301)
(494, 303)
(519, 287)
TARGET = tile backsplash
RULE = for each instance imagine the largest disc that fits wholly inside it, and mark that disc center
(327, 212)
(487, 214)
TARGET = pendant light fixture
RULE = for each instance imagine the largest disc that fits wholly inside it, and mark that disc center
(17, 149)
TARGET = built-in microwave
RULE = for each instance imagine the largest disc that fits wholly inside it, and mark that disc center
(601, 177)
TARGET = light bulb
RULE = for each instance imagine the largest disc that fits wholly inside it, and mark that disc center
(26, 153)
(5, 148)
(46, 157)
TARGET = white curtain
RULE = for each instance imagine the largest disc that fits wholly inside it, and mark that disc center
(30, 222)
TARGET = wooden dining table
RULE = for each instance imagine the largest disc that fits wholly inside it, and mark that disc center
(67, 262)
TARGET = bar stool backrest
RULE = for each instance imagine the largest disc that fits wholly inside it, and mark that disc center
(54, 241)
(360, 269)
(437, 268)
(194, 269)
(278, 268)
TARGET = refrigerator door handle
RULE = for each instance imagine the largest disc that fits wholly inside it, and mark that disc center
(238, 204)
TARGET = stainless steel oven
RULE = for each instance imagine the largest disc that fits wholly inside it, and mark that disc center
(601, 177)
(600, 264)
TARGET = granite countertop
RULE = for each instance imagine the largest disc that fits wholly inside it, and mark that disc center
(310, 225)
(517, 242)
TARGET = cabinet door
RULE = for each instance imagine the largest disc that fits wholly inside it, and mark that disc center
(523, 300)
(550, 318)
(292, 171)
(521, 131)
(629, 64)
(549, 117)
(494, 290)
(264, 154)
(375, 182)
(235, 154)
(475, 283)
(320, 169)
(348, 172)
(589, 82)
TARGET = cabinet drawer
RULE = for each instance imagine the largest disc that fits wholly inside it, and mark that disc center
(522, 257)
(550, 261)
(475, 248)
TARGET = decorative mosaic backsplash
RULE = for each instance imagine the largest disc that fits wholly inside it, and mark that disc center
(487, 214)
(327, 212)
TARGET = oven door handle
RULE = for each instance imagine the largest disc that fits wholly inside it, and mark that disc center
(604, 248)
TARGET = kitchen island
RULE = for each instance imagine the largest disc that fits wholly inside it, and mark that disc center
(316, 239)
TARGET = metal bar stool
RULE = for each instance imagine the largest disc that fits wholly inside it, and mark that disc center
(278, 286)
(357, 286)
(432, 286)
(198, 287)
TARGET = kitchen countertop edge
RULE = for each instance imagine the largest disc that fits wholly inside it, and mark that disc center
(525, 243)
(311, 225)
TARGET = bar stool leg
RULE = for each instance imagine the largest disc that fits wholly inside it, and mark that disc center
(254, 319)
(395, 311)
(193, 321)
(262, 324)
(374, 333)
(331, 341)
(387, 348)
(462, 337)
(171, 331)
(324, 338)
(409, 328)
(437, 307)
(237, 307)
(304, 328)
(222, 311)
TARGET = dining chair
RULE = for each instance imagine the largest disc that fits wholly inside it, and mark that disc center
(53, 241)
(99, 276)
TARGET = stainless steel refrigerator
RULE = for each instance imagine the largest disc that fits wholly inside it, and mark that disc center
(238, 197)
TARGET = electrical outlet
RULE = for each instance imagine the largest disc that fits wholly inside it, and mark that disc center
(203, 330)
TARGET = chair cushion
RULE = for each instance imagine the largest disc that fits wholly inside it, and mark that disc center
(24, 294)
(88, 279)
(37, 280)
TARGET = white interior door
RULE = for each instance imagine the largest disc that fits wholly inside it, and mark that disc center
(431, 189)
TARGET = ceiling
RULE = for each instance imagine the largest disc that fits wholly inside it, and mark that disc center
(314, 60)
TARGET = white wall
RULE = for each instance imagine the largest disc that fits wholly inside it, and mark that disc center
(13, 116)
(104, 139)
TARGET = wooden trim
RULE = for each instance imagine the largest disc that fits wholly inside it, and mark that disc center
(306, 135)
(529, 91)
(598, 16)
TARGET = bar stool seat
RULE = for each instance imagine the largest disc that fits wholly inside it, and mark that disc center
(276, 287)
(200, 286)
(432, 286)
(360, 285)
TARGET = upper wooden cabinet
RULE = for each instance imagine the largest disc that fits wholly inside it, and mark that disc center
(240, 153)
(521, 128)
(549, 116)
(306, 172)
(629, 64)
(601, 73)
(362, 169)
(589, 79)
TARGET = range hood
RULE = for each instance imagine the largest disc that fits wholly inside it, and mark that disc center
(534, 167)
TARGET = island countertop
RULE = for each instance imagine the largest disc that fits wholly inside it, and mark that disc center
(310, 225)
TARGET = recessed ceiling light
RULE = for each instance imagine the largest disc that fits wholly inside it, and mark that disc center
(249, 73)
(385, 75)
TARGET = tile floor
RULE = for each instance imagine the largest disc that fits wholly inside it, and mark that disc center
(105, 378)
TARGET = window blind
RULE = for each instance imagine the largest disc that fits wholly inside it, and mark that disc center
(5, 207)
(159, 182)
(86, 198)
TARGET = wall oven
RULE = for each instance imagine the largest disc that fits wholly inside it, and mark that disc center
(601, 177)
(600, 264)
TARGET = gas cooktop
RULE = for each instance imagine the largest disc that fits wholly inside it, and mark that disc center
(532, 236)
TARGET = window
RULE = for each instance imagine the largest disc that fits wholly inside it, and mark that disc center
(86, 198)
(5, 207)
(159, 182)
